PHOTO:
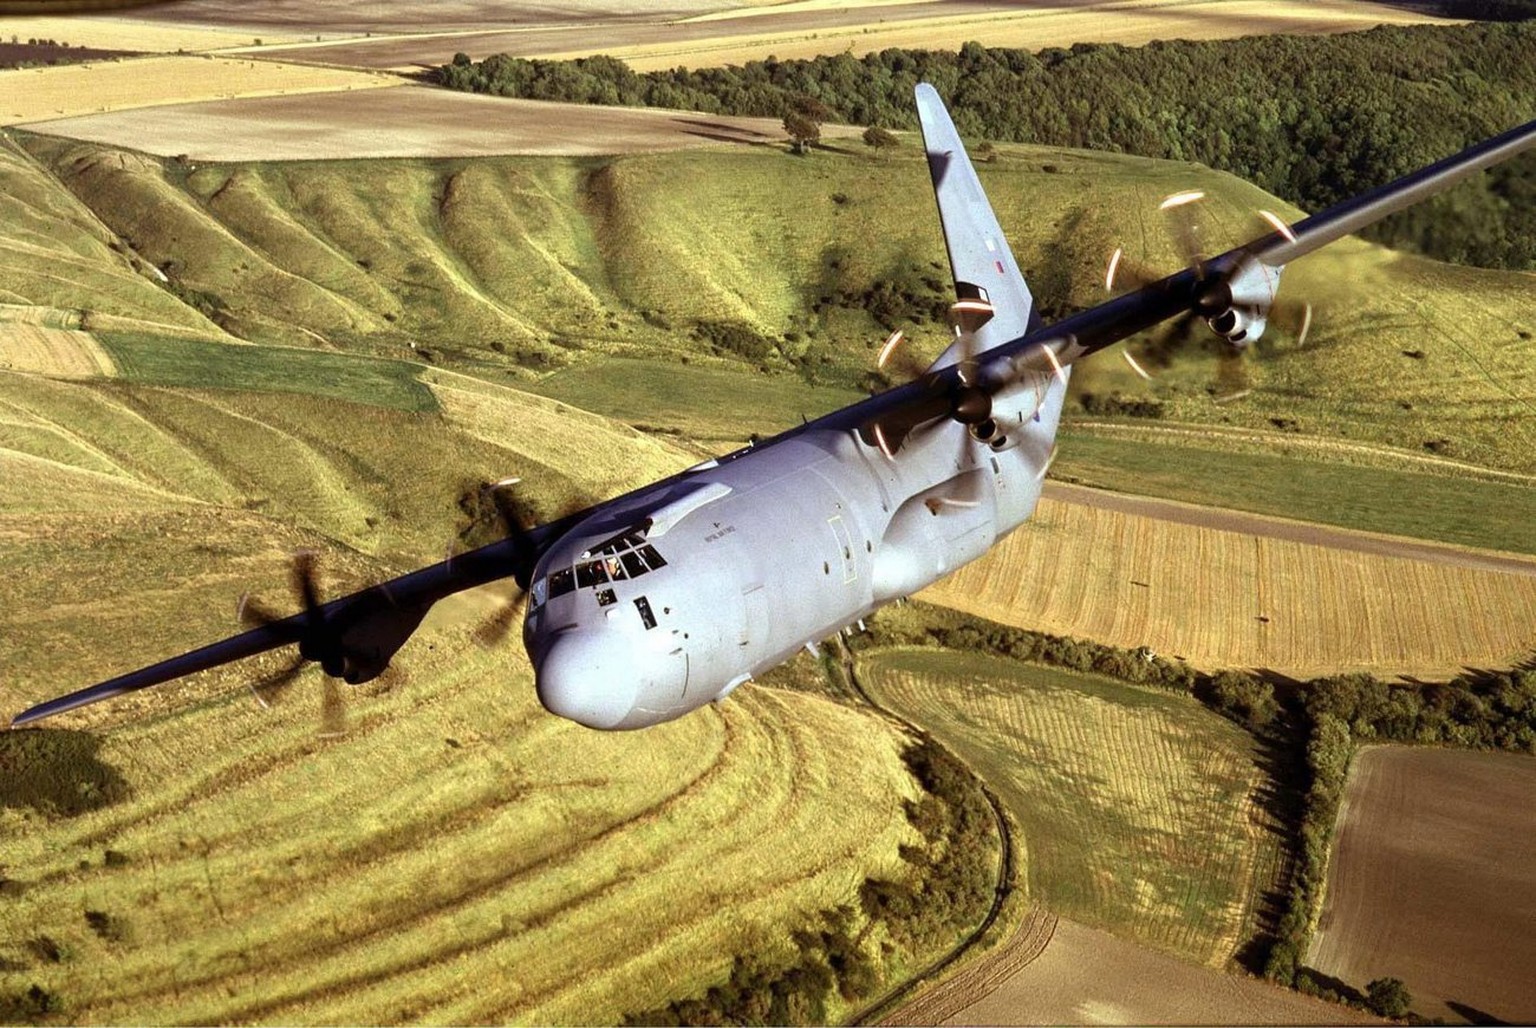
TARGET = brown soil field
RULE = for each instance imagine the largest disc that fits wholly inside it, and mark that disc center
(808, 30)
(34, 94)
(1085, 976)
(307, 17)
(980, 977)
(412, 121)
(1433, 880)
(1233, 590)
(59, 352)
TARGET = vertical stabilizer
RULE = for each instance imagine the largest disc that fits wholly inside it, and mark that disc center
(990, 293)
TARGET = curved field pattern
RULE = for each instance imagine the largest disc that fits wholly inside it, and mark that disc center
(1433, 880)
(1141, 812)
(456, 856)
(1230, 599)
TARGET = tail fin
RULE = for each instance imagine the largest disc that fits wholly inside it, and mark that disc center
(991, 297)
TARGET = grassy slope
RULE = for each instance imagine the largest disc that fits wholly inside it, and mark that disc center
(1140, 810)
(542, 262)
(262, 873)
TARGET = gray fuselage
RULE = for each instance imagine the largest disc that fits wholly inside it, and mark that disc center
(671, 596)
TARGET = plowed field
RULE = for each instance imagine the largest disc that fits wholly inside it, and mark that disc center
(1433, 880)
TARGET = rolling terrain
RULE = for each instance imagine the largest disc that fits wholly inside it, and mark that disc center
(211, 365)
(188, 854)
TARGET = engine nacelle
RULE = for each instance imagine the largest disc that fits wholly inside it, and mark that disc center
(1239, 325)
(1237, 306)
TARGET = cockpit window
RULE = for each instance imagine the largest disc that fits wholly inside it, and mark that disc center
(621, 558)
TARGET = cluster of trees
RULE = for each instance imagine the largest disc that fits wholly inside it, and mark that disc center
(948, 888)
(1328, 751)
(1313, 119)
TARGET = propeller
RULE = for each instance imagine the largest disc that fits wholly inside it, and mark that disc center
(1236, 307)
(320, 642)
(495, 629)
(947, 396)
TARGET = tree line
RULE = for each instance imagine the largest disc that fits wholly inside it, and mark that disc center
(1313, 119)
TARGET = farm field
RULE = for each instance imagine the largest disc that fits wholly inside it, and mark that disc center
(414, 121)
(218, 862)
(1088, 976)
(1140, 811)
(1308, 478)
(1221, 598)
(1033, 27)
(711, 35)
(1432, 881)
(125, 31)
(36, 94)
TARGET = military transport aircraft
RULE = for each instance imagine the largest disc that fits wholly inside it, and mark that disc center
(649, 605)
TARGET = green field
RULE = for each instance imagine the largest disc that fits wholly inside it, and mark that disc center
(1328, 483)
(196, 858)
(158, 360)
(1141, 811)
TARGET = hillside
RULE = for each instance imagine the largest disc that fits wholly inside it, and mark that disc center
(208, 858)
(793, 269)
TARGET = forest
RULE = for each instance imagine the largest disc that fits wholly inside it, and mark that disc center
(1313, 119)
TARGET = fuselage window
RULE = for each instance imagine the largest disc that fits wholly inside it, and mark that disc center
(605, 597)
(562, 582)
(590, 574)
(539, 593)
(644, 607)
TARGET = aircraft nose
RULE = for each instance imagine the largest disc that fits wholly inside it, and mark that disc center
(585, 678)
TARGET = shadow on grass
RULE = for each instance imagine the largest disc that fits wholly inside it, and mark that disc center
(1472, 1014)
(56, 772)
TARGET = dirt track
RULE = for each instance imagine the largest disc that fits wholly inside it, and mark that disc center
(1085, 976)
(1293, 531)
(408, 121)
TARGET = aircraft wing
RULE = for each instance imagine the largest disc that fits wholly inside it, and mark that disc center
(1222, 282)
(983, 266)
(353, 637)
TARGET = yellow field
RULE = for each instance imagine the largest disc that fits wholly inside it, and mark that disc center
(1226, 599)
(183, 854)
(123, 33)
(1130, 23)
(37, 94)
(458, 856)
(45, 350)
(1139, 810)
